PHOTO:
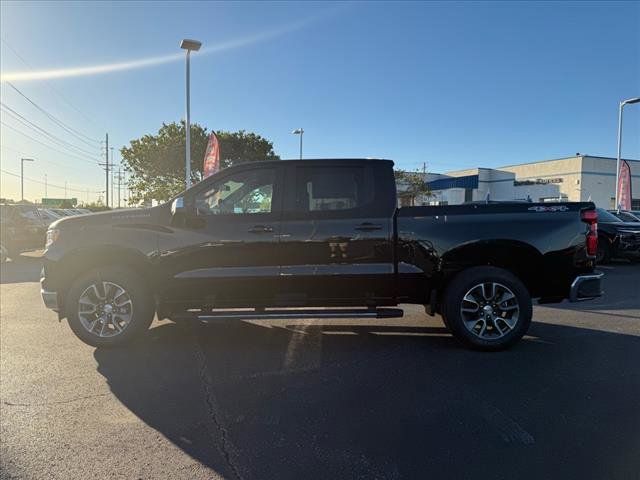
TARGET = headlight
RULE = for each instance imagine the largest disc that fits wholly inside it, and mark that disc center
(52, 236)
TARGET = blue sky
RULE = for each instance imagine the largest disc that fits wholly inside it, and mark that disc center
(454, 85)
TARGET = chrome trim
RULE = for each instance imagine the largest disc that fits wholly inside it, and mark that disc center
(575, 286)
(50, 299)
(223, 315)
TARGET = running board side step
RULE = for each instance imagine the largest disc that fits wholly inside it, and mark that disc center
(223, 315)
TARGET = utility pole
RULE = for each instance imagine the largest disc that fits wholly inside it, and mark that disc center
(65, 189)
(45, 186)
(106, 153)
(119, 180)
(113, 172)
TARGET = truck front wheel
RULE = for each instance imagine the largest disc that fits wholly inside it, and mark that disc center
(487, 308)
(109, 306)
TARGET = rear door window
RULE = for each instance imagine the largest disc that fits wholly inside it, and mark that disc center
(331, 189)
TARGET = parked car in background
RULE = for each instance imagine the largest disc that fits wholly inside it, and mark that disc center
(625, 215)
(617, 238)
(272, 237)
(62, 212)
(21, 229)
(48, 216)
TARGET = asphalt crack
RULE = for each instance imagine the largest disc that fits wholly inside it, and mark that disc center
(59, 402)
(226, 447)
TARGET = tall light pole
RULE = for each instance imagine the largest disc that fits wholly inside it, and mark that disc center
(189, 46)
(22, 160)
(628, 101)
(299, 131)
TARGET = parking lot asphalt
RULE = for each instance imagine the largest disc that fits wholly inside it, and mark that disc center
(389, 399)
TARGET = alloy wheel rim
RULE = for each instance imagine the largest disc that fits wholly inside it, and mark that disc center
(105, 309)
(490, 310)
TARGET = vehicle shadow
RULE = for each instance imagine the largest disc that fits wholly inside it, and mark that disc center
(616, 286)
(329, 400)
(21, 270)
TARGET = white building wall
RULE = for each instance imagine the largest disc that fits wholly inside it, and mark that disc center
(584, 178)
(579, 178)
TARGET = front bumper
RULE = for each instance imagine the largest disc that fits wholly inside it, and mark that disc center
(50, 299)
(586, 287)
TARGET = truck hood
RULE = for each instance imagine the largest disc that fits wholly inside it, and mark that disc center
(111, 217)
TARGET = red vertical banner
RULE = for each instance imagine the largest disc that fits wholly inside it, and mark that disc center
(624, 186)
(211, 156)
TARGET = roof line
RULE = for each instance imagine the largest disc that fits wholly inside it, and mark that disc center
(565, 158)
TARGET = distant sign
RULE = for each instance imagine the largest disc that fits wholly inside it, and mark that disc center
(53, 202)
(537, 181)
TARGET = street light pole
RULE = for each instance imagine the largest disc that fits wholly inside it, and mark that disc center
(629, 101)
(189, 46)
(22, 160)
(299, 131)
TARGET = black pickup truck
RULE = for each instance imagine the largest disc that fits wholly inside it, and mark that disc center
(317, 238)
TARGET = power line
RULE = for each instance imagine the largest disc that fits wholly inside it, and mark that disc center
(51, 87)
(51, 184)
(33, 126)
(54, 119)
(48, 146)
(45, 159)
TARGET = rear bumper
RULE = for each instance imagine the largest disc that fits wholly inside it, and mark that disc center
(586, 287)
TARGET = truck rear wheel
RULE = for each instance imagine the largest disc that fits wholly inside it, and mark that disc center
(487, 308)
(603, 255)
(109, 306)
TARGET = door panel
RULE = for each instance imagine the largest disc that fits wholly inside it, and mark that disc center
(334, 253)
(231, 256)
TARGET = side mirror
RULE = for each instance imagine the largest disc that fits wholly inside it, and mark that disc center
(177, 206)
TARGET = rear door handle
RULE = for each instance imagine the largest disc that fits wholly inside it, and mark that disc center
(261, 229)
(368, 227)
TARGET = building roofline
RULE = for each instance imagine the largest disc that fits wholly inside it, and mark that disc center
(565, 158)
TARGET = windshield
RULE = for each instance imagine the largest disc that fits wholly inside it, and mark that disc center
(607, 217)
(628, 217)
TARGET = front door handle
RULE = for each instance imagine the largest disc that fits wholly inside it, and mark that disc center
(261, 229)
(368, 227)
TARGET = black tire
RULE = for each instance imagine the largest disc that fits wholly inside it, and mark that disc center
(142, 305)
(498, 334)
(603, 255)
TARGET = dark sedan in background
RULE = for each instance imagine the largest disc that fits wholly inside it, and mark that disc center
(617, 238)
(625, 215)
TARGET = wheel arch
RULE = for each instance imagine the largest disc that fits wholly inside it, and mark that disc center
(520, 258)
(79, 261)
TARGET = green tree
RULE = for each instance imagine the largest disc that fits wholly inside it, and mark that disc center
(155, 163)
(411, 185)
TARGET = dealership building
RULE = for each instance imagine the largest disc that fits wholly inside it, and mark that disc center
(577, 178)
